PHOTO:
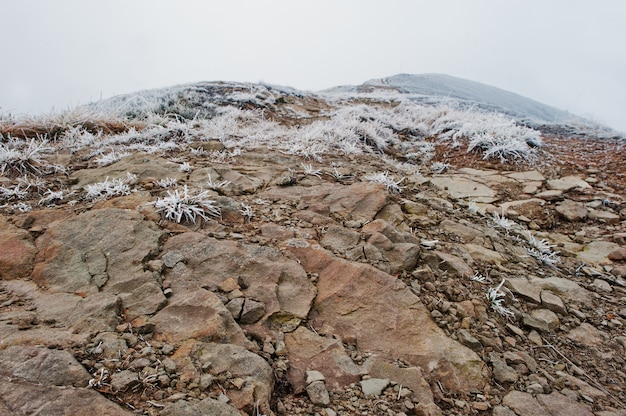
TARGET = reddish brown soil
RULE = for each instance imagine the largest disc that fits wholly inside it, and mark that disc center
(559, 156)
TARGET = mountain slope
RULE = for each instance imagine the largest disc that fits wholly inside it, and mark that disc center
(242, 249)
(437, 88)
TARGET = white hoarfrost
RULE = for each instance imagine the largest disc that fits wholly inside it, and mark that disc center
(496, 298)
(384, 178)
(110, 188)
(186, 207)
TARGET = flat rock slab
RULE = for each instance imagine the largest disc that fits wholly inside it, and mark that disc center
(374, 386)
(481, 254)
(318, 394)
(551, 301)
(256, 378)
(587, 335)
(20, 398)
(461, 188)
(604, 216)
(17, 251)
(200, 315)
(543, 320)
(102, 251)
(410, 377)
(308, 350)
(385, 317)
(265, 275)
(597, 252)
(554, 404)
(572, 211)
(527, 176)
(204, 407)
(566, 289)
(42, 365)
(521, 287)
(566, 183)
(360, 201)
(550, 195)
(142, 165)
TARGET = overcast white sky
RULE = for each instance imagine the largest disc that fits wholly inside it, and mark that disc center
(566, 53)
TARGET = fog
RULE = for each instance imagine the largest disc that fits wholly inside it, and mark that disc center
(568, 54)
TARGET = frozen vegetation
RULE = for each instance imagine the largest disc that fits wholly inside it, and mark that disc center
(382, 117)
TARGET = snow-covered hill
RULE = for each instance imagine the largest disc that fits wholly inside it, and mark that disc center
(437, 88)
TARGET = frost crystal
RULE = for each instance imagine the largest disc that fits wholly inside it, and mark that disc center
(109, 189)
(500, 221)
(495, 297)
(182, 207)
(384, 178)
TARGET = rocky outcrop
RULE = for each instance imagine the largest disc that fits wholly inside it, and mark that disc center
(390, 319)
(20, 398)
(17, 251)
(102, 251)
(322, 283)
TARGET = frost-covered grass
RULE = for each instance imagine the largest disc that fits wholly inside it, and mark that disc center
(495, 135)
(142, 123)
(110, 188)
(111, 157)
(51, 197)
(186, 207)
(185, 167)
(215, 185)
(166, 182)
(247, 212)
(495, 296)
(543, 246)
(32, 181)
(439, 167)
(501, 221)
(389, 181)
(244, 117)
(11, 194)
(477, 277)
(542, 250)
(57, 123)
(309, 170)
(549, 258)
(21, 156)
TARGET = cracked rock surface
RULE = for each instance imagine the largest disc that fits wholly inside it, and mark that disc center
(488, 289)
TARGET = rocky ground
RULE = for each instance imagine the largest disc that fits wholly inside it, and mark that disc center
(486, 288)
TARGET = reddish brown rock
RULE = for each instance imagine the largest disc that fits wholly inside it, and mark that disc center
(263, 273)
(199, 315)
(567, 183)
(558, 404)
(448, 262)
(250, 378)
(277, 232)
(385, 317)
(21, 398)
(102, 251)
(307, 350)
(409, 377)
(618, 254)
(397, 250)
(360, 201)
(572, 211)
(604, 217)
(42, 365)
(17, 252)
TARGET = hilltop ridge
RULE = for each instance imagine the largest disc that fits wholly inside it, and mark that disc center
(434, 89)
